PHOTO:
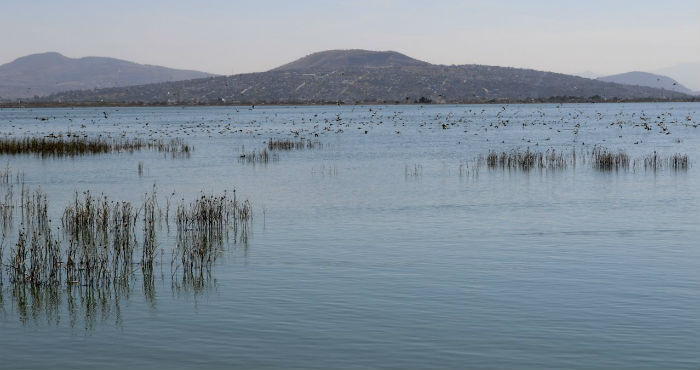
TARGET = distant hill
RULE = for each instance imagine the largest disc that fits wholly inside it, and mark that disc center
(687, 73)
(360, 76)
(647, 79)
(46, 73)
(335, 59)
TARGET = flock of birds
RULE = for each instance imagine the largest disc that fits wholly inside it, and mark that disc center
(460, 123)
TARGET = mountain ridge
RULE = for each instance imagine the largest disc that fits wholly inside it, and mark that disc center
(51, 72)
(362, 76)
(648, 79)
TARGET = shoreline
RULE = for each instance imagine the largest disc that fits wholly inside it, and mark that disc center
(554, 100)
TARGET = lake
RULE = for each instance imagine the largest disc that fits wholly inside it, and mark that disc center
(390, 240)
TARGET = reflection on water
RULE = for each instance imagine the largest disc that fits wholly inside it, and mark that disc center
(88, 306)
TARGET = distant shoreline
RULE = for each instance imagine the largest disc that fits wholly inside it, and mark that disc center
(554, 100)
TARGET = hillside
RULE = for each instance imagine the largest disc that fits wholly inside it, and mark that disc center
(647, 79)
(686, 73)
(46, 73)
(359, 76)
(334, 59)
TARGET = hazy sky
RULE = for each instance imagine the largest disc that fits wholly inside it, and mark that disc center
(226, 37)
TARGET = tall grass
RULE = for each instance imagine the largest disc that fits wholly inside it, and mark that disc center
(98, 238)
(77, 146)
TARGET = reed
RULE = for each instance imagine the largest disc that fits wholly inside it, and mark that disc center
(101, 240)
(203, 226)
(679, 161)
(56, 146)
(290, 144)
(656, 162)
(606, 160)
(149, 247)
(36, 257)
(527, 160)
(259, 157)
(7, 203)
(413, 171)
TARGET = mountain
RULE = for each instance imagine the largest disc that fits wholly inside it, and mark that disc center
(46, 73)
(647, 79)
(687, 73)
(360, 76)
(334, 59)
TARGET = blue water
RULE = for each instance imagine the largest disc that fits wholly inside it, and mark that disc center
(385, 249)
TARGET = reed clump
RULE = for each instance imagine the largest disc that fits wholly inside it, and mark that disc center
(101, 240)
(259, 157)
(36, 256)
(527, 160)
(606, 160)
(291, 144)
(679, 162)
(56, 146)
(656, 162)
(7, 200)
(204, 224)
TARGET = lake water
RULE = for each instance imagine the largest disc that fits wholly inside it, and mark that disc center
(387, 247)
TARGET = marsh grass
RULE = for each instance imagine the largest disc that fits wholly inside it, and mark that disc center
(656, 162)
(290, 144)
(77, 146)
(527, 160)
(204, 225)
(599, 158)
(98, 238)
(259, 157)
(606, 160)
(414, 171)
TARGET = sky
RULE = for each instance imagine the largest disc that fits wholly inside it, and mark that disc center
(228, 37)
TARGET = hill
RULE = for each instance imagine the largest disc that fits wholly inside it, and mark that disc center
(334, 59)
(359, 76)
(46, 73)
(647, 79)
(686, 73)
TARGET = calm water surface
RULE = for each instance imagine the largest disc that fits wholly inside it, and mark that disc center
(385, 248)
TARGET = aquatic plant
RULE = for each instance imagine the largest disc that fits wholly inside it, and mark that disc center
(290, 144)
(202, 227)
(606, 160)
(58, 146)
(258, 157)
(657, 162)
(527, 160)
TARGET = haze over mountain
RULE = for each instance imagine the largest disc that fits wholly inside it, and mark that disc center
(686, 73)
(588, 74)
(46, 73)
(361, 76)
(647, 79)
